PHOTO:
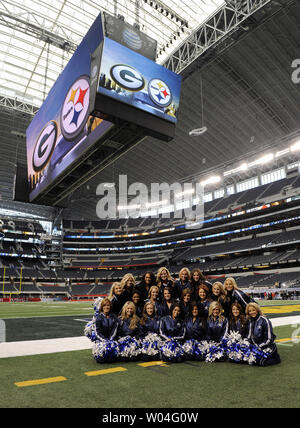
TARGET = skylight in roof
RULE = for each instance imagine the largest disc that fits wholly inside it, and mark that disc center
(29, 65)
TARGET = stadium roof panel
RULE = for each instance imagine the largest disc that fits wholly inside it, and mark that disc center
(29, 65)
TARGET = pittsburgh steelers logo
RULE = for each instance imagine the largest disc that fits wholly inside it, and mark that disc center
(159, 92)
(127, 77)
(44, 146)
(75, 110)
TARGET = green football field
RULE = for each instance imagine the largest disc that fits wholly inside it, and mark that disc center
(74, 380)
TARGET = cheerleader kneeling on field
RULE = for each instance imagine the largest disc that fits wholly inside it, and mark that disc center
(129, 333)
(151, 342)
(105, 347)
(261, 336)
(194, 335)
(217, 329)
(172, 331)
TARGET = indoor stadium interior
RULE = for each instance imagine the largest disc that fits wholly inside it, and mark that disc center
(200, 172)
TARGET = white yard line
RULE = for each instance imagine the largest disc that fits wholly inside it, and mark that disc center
(46, 346)
(277, 322)
(49, 346)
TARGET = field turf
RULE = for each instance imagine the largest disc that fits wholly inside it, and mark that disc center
(184, 385)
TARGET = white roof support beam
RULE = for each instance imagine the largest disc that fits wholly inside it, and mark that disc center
(212, 31)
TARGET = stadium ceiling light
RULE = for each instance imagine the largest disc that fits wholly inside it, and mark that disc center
(264, 159)
(186, 192)
(211, 180)
(282, 152)
(242, 167)
(296, 146)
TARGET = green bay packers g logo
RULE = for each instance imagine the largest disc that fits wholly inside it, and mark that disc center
(44, 146)
(127, 77)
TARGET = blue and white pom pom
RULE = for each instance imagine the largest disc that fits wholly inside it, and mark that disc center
(172, 351)
(188, 348)
(150, 347)
(90, 327)
(90, 330)
(210, 351)
(97, 303)
(129, 348)
(105, 351)
(240, 350)
(192, 350)
(216, 352)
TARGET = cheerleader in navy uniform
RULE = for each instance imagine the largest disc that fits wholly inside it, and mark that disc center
(218, 293)
(148, 279)
(197, 278)
(183, 282)
(203, 300)
(163, 280)
(149, 321)
(128, 284)
(150, 339)
(166, 303)
(234, 295)
(195, 325)
(195, 332)
(185, 303)
(261, 336)
(238, 321)
(153, 297)
(217, 324)
(105, 348)
(129, 332)
(117, 297)
(139, 304)
(172, 331)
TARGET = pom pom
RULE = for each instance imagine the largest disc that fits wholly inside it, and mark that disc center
(129, 348)
(210, 351)
(240, 350)
(97, 303)
(215, 352)
(90, 330)
(172, 351)
(150, 347)
(105, 351)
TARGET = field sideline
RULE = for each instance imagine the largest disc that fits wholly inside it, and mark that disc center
(74, 380)
(39, 309)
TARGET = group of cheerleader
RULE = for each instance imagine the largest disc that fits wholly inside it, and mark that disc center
(160, 318)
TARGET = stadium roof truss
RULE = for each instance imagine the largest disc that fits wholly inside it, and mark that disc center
(223, 22)
(38, 37)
